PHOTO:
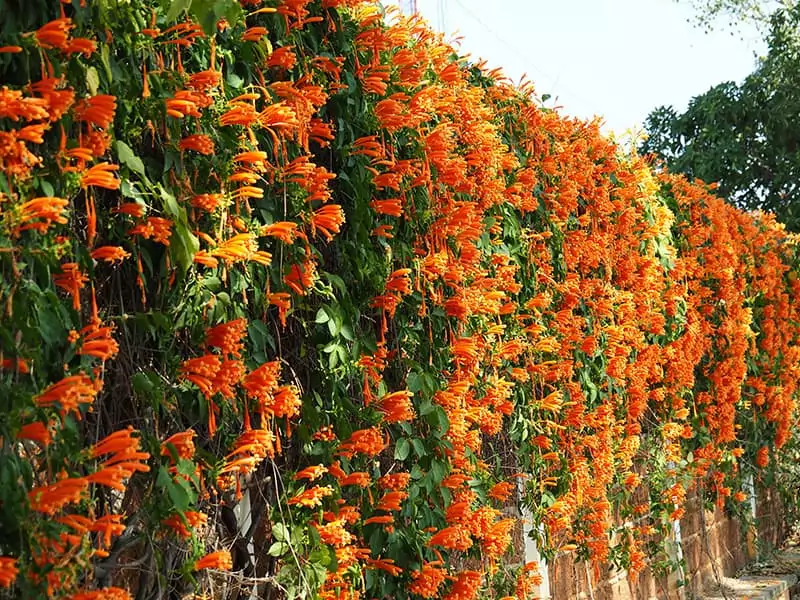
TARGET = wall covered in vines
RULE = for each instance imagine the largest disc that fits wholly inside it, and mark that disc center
(295, 301)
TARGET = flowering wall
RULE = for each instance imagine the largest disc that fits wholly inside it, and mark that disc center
(297, 301)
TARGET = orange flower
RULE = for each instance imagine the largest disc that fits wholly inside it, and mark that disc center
(208, 202)
(334, 534)
(101, 175)
(182, 442)
(109, 593)
(40, 213)
(465, 587)
(396, 407)
(133, 209)
(454, 537)
(10, 49)
(110, 254)
(227, 337)
(394, 481)
(365, 441)
(262, 382)
(391, 501)
(97, 342)
(501, 491)
(8, 571)
(49, 499)
(198, 142)
(156, 228)
(71, 280)
(283, 230)
(98, 110)
(83, 46)
(183, 523)
(69, 393)
(312, 497)
(762, 457)
(284, 302)
(36, 432)
(215, 560)
(311, 473)
(301, 277)
(392, 207)
(54, 34)
(426, 582)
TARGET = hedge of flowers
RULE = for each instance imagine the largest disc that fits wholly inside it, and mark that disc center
(298, 301)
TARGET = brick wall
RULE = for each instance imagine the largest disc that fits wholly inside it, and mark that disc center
(712, 544)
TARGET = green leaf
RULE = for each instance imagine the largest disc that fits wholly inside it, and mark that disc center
(402, 449)
(129, 158)
(278, 549)
(280, 532)
(176, 8)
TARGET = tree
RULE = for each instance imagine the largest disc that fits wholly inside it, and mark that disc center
(736, 12)
(744, 136)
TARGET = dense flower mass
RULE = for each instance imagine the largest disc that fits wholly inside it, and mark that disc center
(296, 298)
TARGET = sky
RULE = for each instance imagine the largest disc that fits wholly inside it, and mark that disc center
(618, 59)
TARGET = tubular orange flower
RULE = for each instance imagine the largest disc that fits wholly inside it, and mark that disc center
(54, 34)
(183, 524)
(328, 220)
(426, 582)
(49, 499)
(220, 559)
(396, 407)
(182, 442)
(36, 432)
(312, 497)
(40, 213)
(71, 280)
(10, 49)
(227, 337)
(284, 302)
(208, 202)
(283, 230)
(156, 228)
(69, 393)
(392, 207)
(365, 441)
(110, 254)
(134, 209)
(301, 277)
(101, 175)
(8, 571)
(454, 537)
(97, 342)
(311, 473)
(109, 593)
(198, 142)
(98, 110)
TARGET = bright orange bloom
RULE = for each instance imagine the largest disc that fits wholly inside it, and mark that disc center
(215, 560)
(69, 393)
(465, 587)
(110, 254)
(185, 103)
(762, 457)
(134, 209)
(199, 143)
(311, 473)
(379, 520)
(284, 302)
(334, 533)
(40, 213)
(384, 564)
(8, 571)
(156, 228)
(183, 524)
(83, 46)
(227, 337)
(426, 583)
(98, 110)
(283, 230)
(358, 478)
(501, 491)
(392, 207)
(54, 34)
(394, 481)
(182, 442)
(396, 407)
(36, 432)
(71, 280)
(10, 49)
(97, 342)
(301, 277)
(454, 537)
(364, 441)
(109, 593)
(208, 202)
(391, 501)
(101, 175)
(19, 365)
(312, 497)
(49, 499)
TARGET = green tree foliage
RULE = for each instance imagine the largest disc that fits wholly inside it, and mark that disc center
(744, 136)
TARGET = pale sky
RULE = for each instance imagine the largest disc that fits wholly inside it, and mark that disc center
(618, 59)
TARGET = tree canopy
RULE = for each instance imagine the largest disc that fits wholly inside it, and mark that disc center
(744, 136)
